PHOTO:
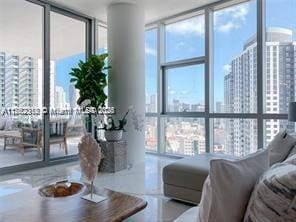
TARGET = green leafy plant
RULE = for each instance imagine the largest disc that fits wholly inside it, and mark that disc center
(89, 78)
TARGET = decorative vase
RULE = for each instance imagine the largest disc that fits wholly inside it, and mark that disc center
(113, 135)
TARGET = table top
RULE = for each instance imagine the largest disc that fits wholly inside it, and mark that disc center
(29, 206)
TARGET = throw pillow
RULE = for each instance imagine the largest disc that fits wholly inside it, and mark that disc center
(280, 147)
(274, 196)
(206, 201)
(227, 190)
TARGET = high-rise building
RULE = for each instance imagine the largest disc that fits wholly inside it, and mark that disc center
(219, 107)
(241, 89)
(60, 98)
(17, 80)
(2, 79)
(21, 83)
(40, 83)
(73, 96)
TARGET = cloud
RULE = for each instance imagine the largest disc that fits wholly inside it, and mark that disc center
(193, 26)
(231, 18)
(227, 68)
(150, 51)
(225, 20)
(227, 27)
(172, 92)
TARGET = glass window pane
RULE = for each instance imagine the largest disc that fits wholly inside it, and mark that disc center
(102, 34)
(67, 49)
(273, 126)
(184, 136)
(151, 134)
(235, 136)
(280, 58)
(151, 70)
(235, 65)
(21, 74)
(103, 48)
(185, 89)
(185, 39)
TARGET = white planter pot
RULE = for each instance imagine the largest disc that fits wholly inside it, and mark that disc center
(113, 135)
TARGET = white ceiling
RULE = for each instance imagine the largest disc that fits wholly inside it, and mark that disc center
(21, 28)
(21, 23)
(154, 9)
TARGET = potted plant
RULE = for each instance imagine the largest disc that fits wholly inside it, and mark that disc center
(90, 79)
(114, 131)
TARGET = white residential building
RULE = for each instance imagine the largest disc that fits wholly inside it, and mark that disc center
(18, 83)
(73, 96)
(241, 89)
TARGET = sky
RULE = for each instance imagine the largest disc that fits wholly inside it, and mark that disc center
(232, 27)
(185, 39)
(64, 66)
(62, 69)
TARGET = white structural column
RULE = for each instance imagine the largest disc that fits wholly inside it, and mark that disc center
(126, 86)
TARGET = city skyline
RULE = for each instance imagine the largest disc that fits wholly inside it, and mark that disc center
(22, 83)
(185, 85)
(235, 22)
(239, 136)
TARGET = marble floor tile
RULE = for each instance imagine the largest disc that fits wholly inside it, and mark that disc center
(143, 180)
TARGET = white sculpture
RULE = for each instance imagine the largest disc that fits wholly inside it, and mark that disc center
(90, 158)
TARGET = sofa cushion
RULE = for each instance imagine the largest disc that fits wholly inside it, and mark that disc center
(190, 172)
(228, 190)
(183, 194)
(280, 147)
(274, 196)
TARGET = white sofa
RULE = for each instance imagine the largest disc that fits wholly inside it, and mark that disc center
(279, 167)
(183, 179)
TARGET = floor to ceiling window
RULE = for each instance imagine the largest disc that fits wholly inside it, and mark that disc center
(151, 70)
(218, 89)
(67, 48)
(185, 39)
(102, 47)
(39, 124)
(183, 86)
(102, 39)
(21, 73)
(234, 78)
(280, 60)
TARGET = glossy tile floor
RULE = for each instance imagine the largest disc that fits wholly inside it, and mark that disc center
(143, 180)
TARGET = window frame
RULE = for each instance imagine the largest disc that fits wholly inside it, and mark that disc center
(209, 114)
(90, 43)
